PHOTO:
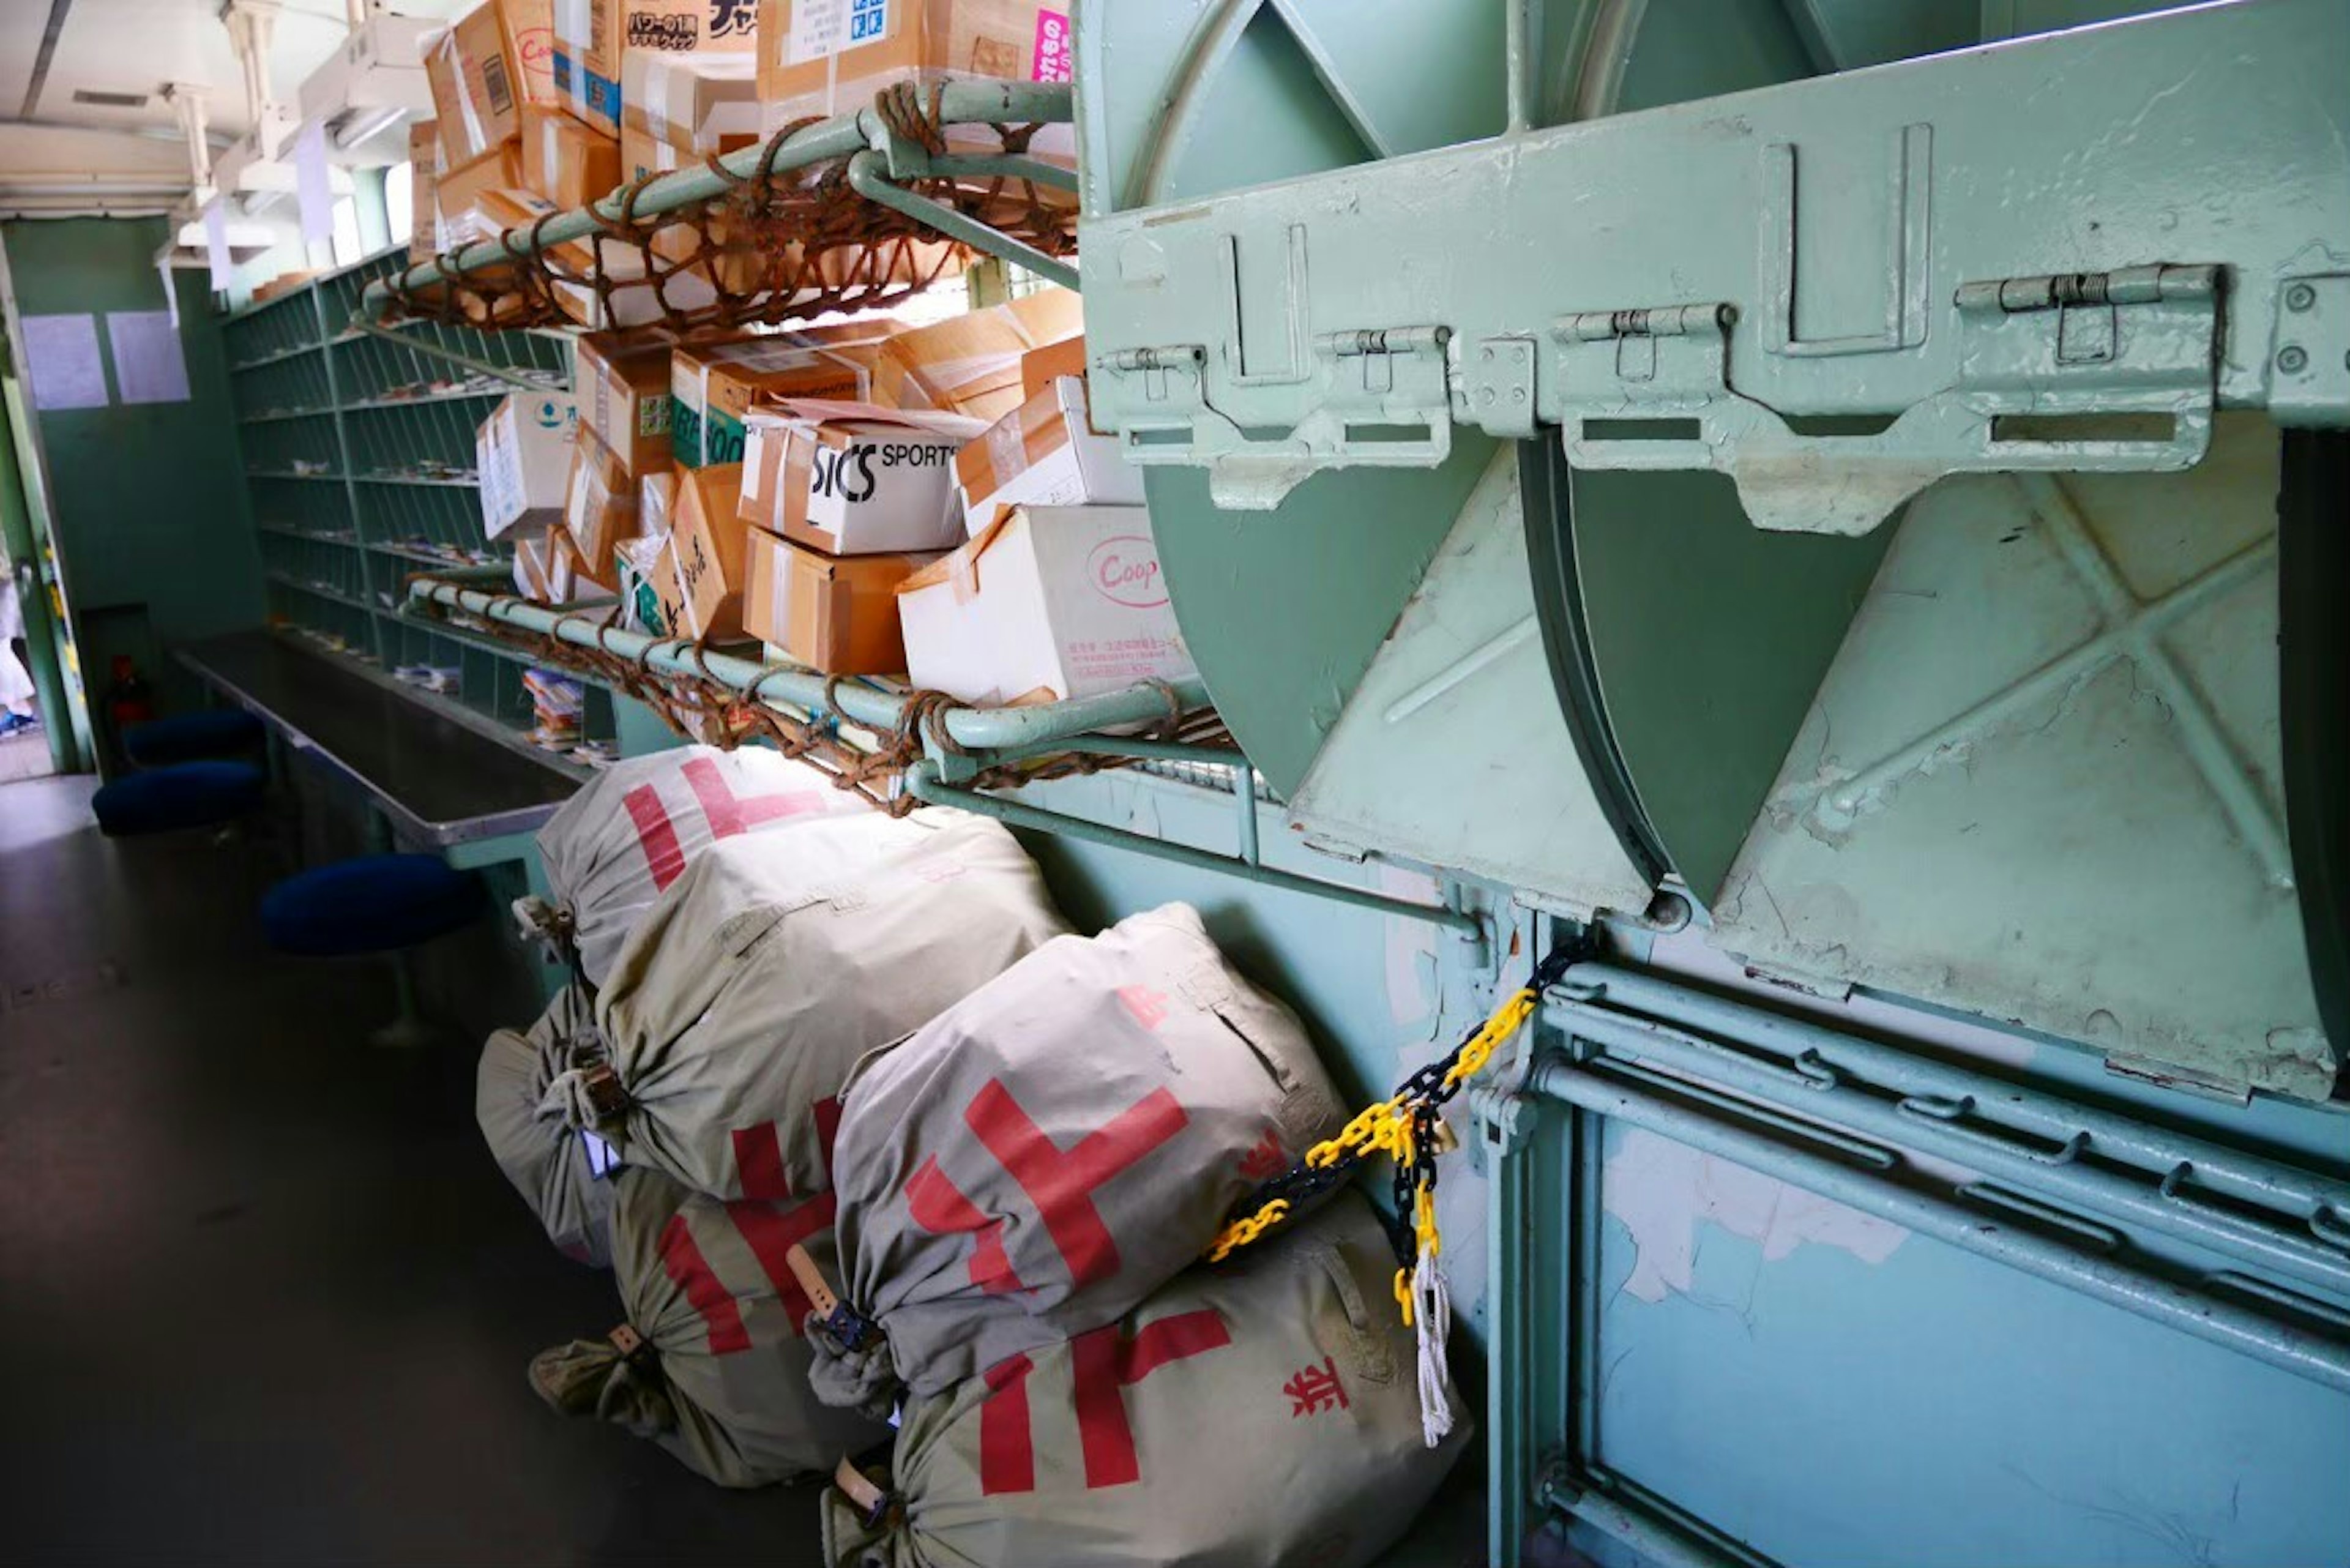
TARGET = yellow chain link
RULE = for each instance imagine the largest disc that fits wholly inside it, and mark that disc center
(1385, 1126)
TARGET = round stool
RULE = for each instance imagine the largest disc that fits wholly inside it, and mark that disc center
(169, 799)
(192, 737)
(374, 904)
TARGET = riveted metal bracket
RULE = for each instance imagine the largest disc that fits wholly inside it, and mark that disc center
(2309, 357)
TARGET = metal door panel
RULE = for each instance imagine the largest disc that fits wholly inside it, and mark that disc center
(2086, 838)
(1452, 750)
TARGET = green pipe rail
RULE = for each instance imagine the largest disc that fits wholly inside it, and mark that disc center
(959, 744)
(893, 159)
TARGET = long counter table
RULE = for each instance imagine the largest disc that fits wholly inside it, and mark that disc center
(440, 782)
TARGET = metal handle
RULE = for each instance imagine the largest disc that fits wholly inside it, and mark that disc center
(2095, 1233)
(1951, 1113)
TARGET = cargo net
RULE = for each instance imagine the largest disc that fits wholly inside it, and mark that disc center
(772, 247)
(866, 759)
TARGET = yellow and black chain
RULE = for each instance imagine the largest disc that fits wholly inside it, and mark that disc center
(1406, 1127)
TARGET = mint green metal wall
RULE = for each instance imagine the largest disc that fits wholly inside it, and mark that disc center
(148, 500)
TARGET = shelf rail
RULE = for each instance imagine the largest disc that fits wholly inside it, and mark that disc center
(964, 751)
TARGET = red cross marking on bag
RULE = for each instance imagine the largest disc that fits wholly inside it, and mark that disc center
(731, 814)
(1007, 1452)
(1313, 1389)
(1061, 1182)
(656, 834)
(772, 1231)
(727, 813)
(682, 1260)
(1102, 1366)
(938, 1206)
(1264, 1159)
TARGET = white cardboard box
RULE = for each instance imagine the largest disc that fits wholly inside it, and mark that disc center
(850, 479)
(523, 454)
(1048, 603)
(1044, 454)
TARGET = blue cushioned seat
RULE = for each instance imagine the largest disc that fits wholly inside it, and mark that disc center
(192, 737)
(190, 794)
(376, 903)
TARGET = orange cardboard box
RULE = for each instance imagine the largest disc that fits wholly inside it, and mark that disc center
(714, 385)
(490, 63)
(424, 190)
(1040, 368)
(460, 188)
(599, 506)
(622, 389)
(707, 536)
(837, 614)
(564, 161)
(825, 57)
(590, 37)
(969, 364)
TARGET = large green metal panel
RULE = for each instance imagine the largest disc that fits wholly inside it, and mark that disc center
(148, 500)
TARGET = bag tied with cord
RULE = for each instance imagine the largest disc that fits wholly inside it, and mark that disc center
(1040, 1158)
(711, 1362)
(616, 845)
(545, 1159)
(736, 1010)
(1263, 1414)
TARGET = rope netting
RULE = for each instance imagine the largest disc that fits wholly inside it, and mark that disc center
(860, 758)
(769, 248)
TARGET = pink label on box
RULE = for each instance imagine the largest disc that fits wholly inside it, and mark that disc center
(1054, 63)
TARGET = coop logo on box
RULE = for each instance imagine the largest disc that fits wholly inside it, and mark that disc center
(1125, 571)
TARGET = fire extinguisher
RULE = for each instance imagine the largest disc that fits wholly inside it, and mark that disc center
(128, 700)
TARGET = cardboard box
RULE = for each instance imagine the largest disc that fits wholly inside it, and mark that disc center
(632, 304)
(523, 454)
(712, 386)
(638, 561)
(599, 505)
(674, 610)
(423, 190)
(590, 36)
(564, 161)
(1048, 603)
(833, 613)
(850, 479)
(496, 211)
(622, 389)
(458, 194)
(969, 364)
(681, 109)
(1044, 454)
(491, 61)
(830, 56)
(1040, 368)
(546, 570)
(707, 531)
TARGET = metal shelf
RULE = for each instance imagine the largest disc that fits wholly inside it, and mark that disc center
(286, 579)
(284, 531)
(273, 415)
(289, 474)
(295, 352)
(414, 479)
(425, 556)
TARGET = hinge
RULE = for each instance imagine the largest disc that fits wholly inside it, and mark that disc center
(2107, 371)
(1369, 396)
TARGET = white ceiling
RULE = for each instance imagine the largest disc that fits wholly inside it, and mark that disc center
(138, 46)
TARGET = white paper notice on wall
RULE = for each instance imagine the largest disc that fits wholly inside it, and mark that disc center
(312, 184)
(216, 246)
(148, 365)
(61, 355)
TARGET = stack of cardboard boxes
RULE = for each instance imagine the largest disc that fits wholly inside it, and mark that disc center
(931, 501)
(566, 100)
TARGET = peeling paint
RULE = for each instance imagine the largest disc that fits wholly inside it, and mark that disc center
(1660, 1190)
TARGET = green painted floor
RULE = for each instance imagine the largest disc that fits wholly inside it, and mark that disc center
(264, 1296)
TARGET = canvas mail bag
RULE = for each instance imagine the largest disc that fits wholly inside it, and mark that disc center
(619, 843)
(710, 1362)
(541, 1154)
(737, 1008)
(1264, 1413)
(1038, 1159)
